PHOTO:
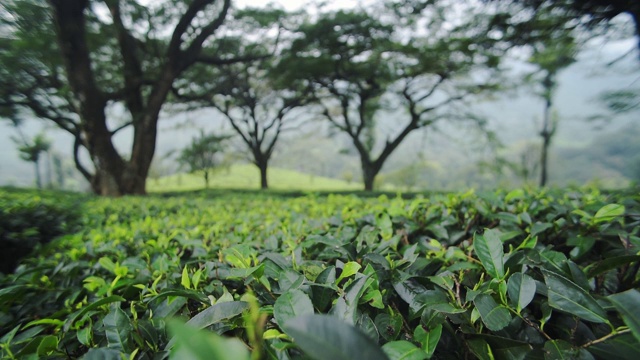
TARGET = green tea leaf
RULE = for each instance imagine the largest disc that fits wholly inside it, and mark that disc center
(190, 294)
(48, 345)
(539, 227)
(291, 304)
(102, 354)
(213, 315)
(383, 221)
(195, 279)
(428, 339)
(374, 298)
(107, 264)
(117, 328)
(388, 326)
(322, 295)
(514, 194)
(566, 296)
(521, 289)
(217, 313)
(349, 269)
(608, 213)
(403, 350)
(85, 336)
(195, 344)
(186, 281)
(627, 303)
(78, 314)
(54, 322)
(560, 350)
(495, 317)
(488, 248)
(623, 347)
(610, 264)
(497, 347)
(347, 305)
(328, 338)
(508, 218)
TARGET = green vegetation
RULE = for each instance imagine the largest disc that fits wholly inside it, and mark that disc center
(525, 274)
(248, 177)
(27, 221)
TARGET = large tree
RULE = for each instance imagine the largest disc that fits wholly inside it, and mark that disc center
(71, 61)
(407, 70)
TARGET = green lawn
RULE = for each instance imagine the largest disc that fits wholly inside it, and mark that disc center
(247, 176)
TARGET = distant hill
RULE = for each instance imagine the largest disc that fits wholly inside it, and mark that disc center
(247, 176)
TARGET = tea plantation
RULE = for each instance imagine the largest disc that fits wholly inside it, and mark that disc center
(544, 274)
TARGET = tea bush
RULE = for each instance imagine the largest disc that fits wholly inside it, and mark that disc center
(28, 219)
(500, 275)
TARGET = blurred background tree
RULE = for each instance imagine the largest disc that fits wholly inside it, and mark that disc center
(203, 155)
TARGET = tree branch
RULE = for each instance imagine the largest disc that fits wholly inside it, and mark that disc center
(76, 159)
(183, 24)
(194, 49)
(121, 127)
(212, 60)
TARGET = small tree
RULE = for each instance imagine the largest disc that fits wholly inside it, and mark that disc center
(30, 150)
(248, 95)
(550, 56)
(202, 154)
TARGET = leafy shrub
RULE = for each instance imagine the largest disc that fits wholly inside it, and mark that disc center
(27, 220)
(548, 275)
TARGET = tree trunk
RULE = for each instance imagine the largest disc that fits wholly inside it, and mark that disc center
(37, 169)
(49, 170)
(206, 178)
(369, 173)
(543, 161)
(546, 134)
(88, 100)
(113, 176)
(264, 184)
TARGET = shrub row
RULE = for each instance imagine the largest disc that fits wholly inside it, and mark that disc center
(500, 275)
(28, 219)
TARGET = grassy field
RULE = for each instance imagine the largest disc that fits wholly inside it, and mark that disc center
(247, 176)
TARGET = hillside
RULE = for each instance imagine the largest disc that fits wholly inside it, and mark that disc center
(247, 176)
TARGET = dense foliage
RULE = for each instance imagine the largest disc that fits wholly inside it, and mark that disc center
(27, 220)
(545, 274)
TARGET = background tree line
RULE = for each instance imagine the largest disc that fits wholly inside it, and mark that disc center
(414, 63)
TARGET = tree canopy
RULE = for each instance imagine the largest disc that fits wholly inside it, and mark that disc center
(376, 62)
(248, 95)
(82, 58)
